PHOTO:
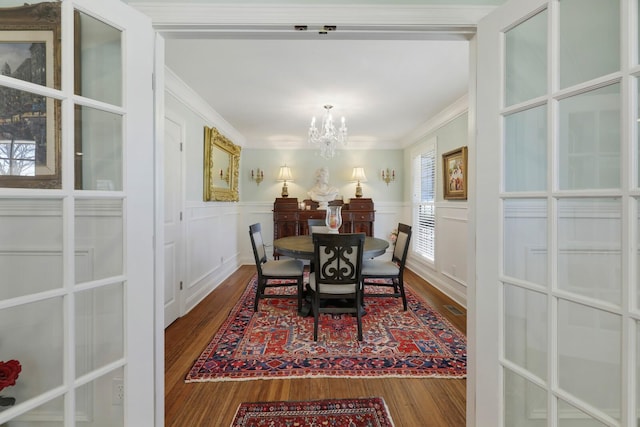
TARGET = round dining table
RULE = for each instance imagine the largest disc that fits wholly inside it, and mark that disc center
(301, 247)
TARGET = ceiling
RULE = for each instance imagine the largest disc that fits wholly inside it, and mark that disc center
(388, 69)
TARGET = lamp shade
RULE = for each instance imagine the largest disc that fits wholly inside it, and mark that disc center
(285, 174)
(358, 175)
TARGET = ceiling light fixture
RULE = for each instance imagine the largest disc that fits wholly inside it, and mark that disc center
(328, 136)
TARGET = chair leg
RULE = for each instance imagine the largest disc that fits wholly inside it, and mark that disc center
(359, 315)
(315, 321)
(300, 291)
(404, 296)
(259, 289)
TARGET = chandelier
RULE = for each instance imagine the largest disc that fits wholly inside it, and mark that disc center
(327, 137)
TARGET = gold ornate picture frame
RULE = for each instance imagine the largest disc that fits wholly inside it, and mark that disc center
(221, 167)
(454, 171)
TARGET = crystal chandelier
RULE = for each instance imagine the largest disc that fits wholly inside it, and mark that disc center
(328, 137)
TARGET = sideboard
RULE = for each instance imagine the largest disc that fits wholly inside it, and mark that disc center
(289, 219)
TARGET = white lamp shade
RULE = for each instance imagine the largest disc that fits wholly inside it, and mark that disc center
(358, 175)
(285, 174)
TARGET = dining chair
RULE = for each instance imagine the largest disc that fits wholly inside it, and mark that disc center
(392, 270)
(338, 260)
(288, 269)
(317, 226)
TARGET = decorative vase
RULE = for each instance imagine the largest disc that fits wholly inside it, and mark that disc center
(334, 218)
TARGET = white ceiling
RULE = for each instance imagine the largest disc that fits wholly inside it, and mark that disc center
(269, 89)
(388, 69)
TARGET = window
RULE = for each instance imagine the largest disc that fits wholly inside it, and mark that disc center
(424, 186)
(17, 157)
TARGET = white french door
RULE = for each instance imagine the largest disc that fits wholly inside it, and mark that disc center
(557, 302)
(78, 309)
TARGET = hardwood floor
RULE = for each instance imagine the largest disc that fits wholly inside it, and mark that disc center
(412, 402)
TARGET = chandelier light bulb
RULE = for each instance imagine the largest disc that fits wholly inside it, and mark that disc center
(330, 136)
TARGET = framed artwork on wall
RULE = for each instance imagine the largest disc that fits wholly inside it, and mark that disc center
(221, 167)
(454, 170)
(29, 122)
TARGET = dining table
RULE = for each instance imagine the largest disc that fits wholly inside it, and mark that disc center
(301, 247)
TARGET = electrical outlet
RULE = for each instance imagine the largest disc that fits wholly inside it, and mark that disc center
(117, 391)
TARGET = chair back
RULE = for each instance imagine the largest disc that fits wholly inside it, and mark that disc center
(259, 252)
(317, 226)
(337, 258)
(401, 248)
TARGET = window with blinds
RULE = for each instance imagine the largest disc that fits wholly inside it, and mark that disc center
(424, 186)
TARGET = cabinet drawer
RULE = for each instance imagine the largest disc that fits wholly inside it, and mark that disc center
(313, 215)
(285, 216)
(362, 216)
(361, 205)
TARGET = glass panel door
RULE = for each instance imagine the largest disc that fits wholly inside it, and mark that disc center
(564, 119)
(76, 236)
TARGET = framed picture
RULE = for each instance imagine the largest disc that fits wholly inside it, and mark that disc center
(29, 122)
(221, 167)
(454, 170)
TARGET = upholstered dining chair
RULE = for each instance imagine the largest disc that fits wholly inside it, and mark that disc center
(291, 269)
(393, 270)
(338, 261)
(317, 226)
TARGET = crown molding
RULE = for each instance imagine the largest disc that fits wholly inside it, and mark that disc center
(453, 111)
(175, 86)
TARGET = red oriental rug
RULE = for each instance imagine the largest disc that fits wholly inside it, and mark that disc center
(276, 342)
(367, 412)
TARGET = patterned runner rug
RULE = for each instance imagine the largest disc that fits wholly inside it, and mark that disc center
(276, 342)
(367, 412)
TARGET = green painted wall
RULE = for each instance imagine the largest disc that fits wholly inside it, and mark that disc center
(305, 162)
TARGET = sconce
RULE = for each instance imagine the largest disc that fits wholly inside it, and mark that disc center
(388, 175)
(285, 175)
(257, 175)
(358, 175)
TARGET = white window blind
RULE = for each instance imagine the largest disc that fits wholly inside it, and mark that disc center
(424, 166)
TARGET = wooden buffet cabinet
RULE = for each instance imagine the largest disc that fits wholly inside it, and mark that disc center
(358, 216)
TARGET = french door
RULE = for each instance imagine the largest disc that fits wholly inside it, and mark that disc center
(557, 301)
(76, 229)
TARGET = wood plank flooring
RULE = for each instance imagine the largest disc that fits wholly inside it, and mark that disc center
(412, 402)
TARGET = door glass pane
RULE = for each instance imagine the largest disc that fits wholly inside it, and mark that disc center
(589, 340)
(637, 177)
(525, 403)
(525, 149)
(570, 416)
(98, 405)
(52, 412)
(30, 46)
(100, 73)
(525, 329)
(525, 239)
(99, 239)
(99, 327)
(589, 40)
(526, 60)
(98, 150)
(638, 370)
(30, 247)
(589, 248)
(589, 150)
(33, 335)
(29, 140)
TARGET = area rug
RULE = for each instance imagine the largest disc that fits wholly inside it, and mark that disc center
(366, 412)
(276, 342)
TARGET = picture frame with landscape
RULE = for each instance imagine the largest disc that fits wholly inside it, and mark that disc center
(30, 122)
